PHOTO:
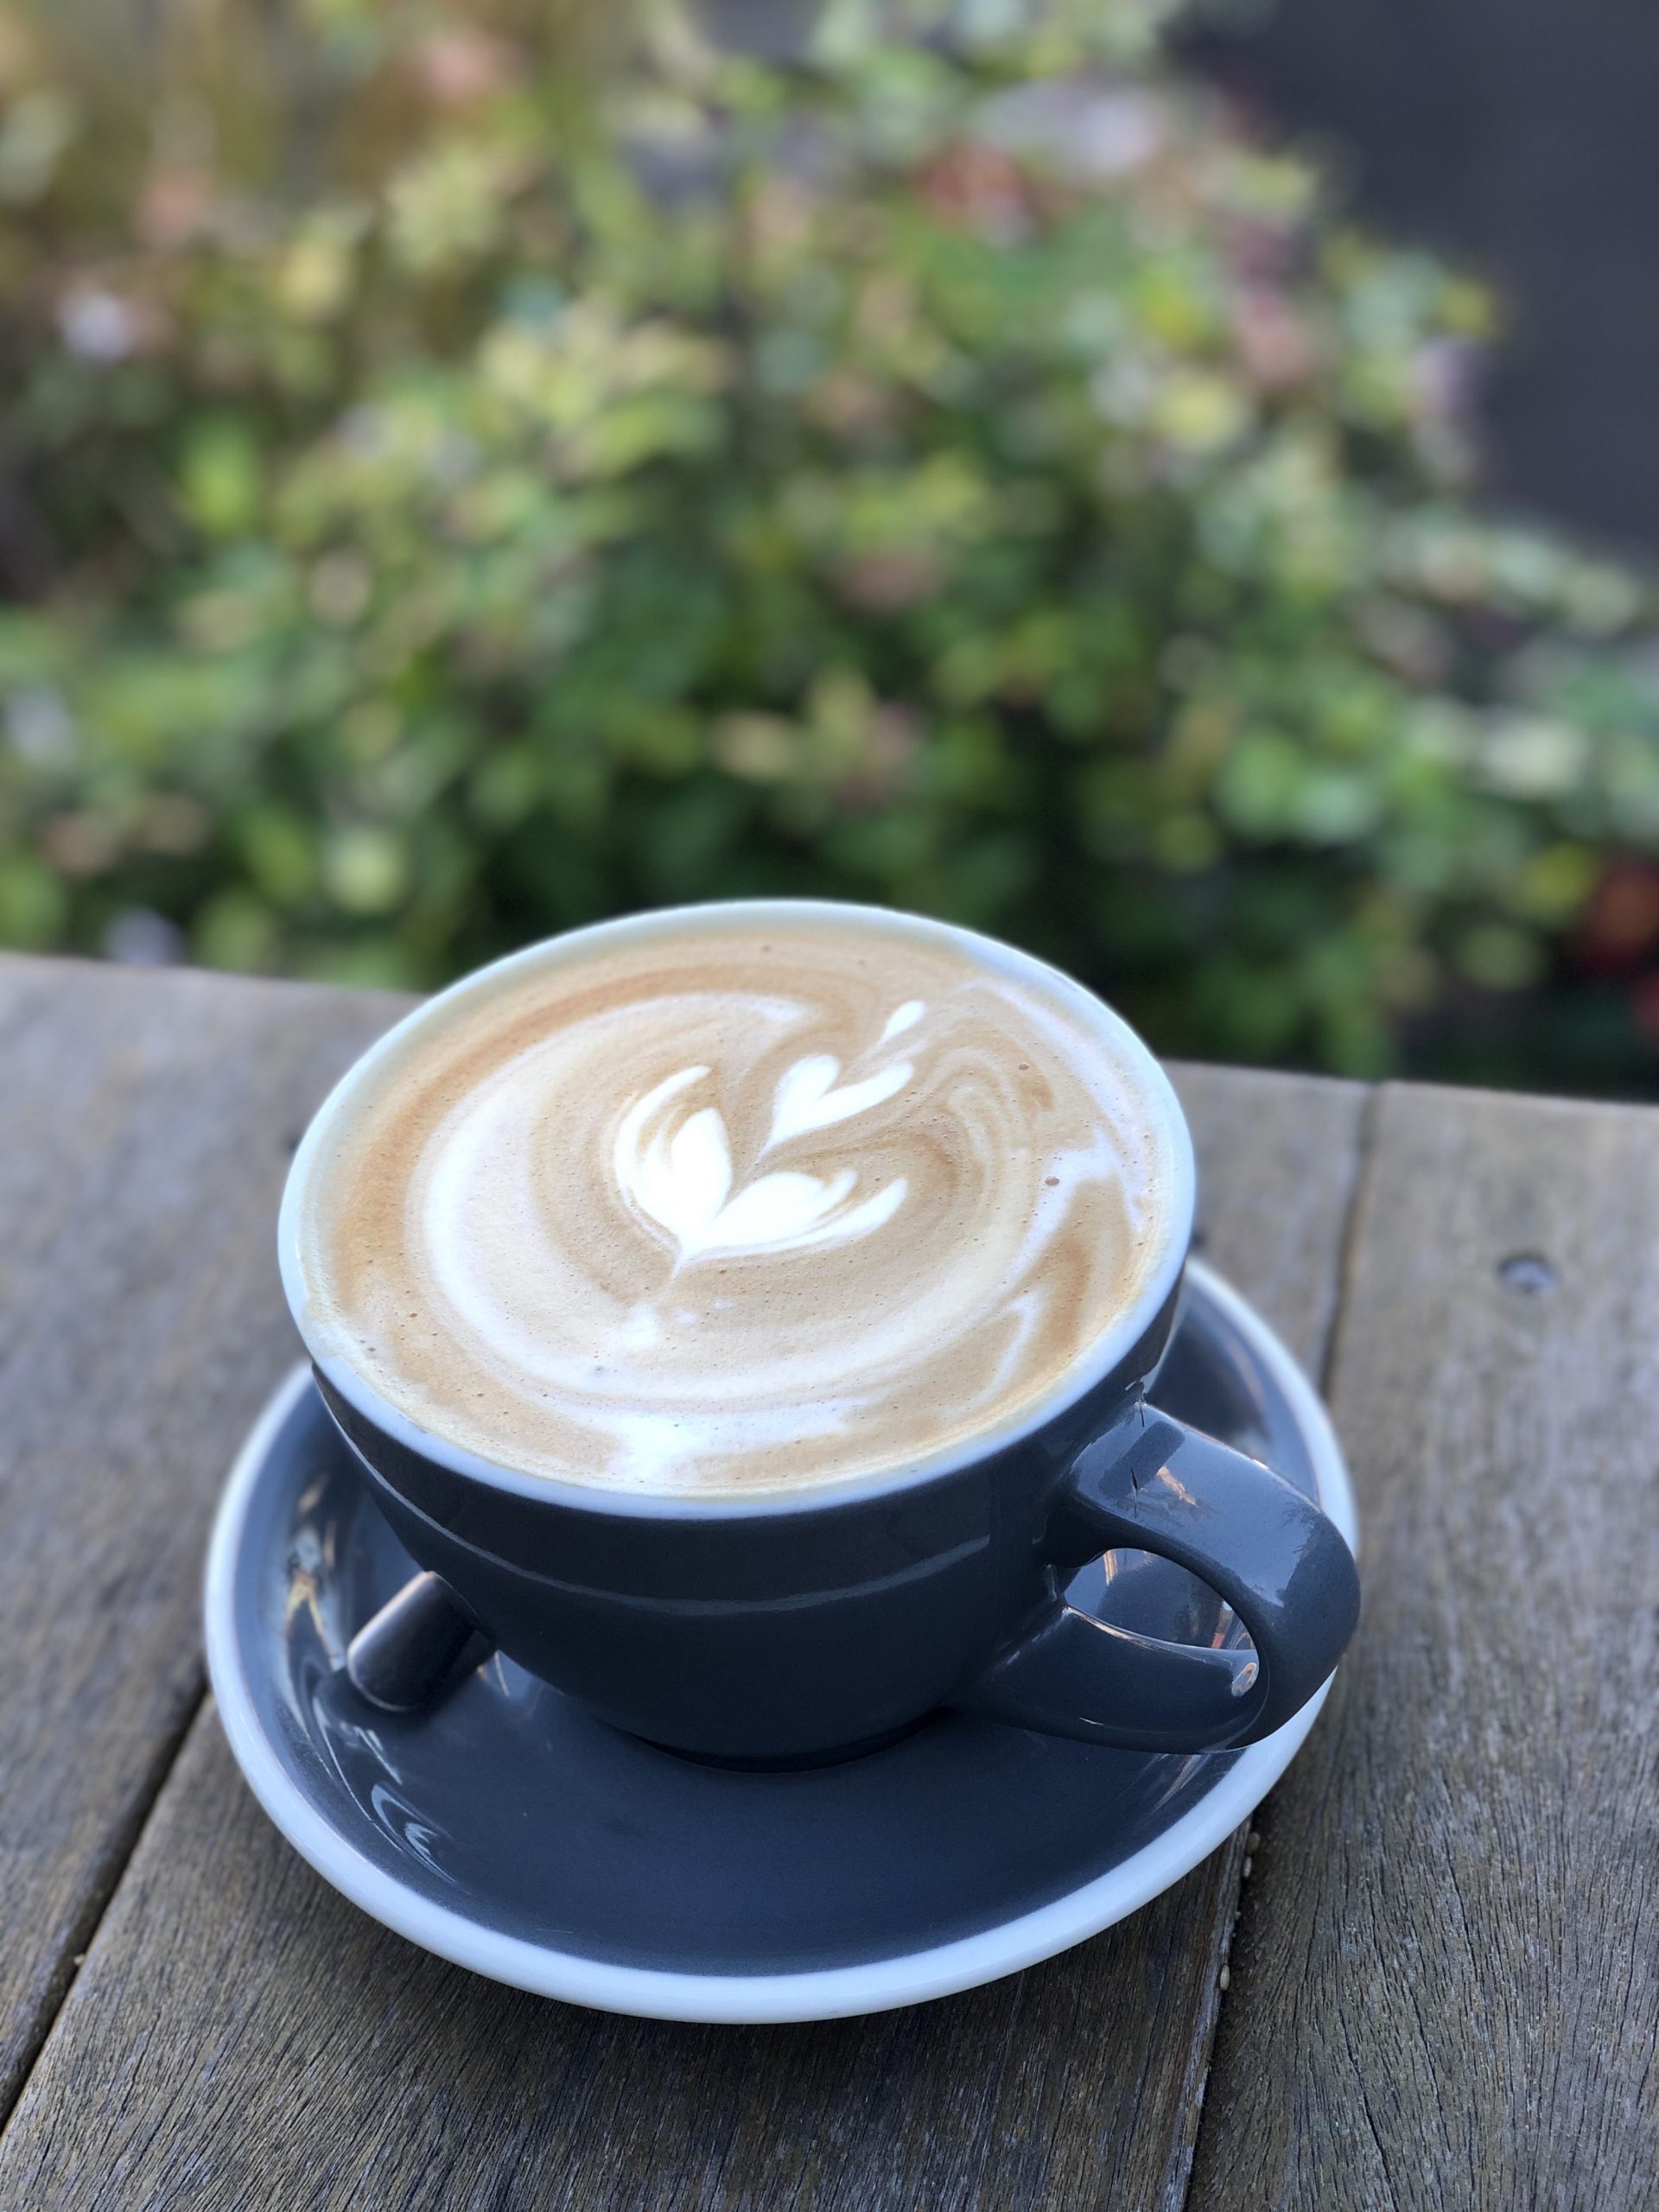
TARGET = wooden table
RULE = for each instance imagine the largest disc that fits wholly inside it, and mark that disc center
(1428, 1978)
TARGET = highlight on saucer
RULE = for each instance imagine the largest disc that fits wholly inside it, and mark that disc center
(752, 1206)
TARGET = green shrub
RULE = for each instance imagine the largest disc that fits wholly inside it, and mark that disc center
(957, 470)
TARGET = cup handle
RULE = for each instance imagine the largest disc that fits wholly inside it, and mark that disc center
(1153, 1484)
(420, 1646)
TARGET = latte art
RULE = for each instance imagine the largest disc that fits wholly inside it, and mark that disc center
(736, 1207)
(683, 1180)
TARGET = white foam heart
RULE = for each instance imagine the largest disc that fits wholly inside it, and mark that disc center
(680, 1174)
(904, 1017)
(807, 1098)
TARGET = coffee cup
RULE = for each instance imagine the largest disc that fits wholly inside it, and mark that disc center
(744, 1313)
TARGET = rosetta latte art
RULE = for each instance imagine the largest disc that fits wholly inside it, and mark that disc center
(737, 1208)
(681, 1174)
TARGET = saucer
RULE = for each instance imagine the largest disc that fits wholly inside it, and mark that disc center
(511, 1832)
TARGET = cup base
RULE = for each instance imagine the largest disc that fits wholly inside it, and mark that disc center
(794, 1762)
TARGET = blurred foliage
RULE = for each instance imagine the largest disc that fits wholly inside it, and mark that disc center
(464, 472)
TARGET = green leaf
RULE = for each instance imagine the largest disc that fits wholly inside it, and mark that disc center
(221, 478)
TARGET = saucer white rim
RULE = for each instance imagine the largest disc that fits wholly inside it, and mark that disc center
(875, 1986)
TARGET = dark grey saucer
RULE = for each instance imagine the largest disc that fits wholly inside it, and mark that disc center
(511, 1832)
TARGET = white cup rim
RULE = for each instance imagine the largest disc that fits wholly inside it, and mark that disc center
(1107, 1351)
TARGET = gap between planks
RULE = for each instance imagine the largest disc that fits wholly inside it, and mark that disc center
(96, 1908)
(1209, 2027)
(151, 1119)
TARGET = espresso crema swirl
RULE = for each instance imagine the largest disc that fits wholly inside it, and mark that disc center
(734, 1207)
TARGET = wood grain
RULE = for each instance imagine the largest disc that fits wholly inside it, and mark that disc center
(241, 2036)
(148, 1124)
(1445, 1975)
(1278, 1165)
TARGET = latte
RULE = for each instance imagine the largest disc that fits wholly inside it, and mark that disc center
(735, 1200)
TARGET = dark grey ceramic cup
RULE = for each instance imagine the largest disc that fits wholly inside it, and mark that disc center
(812, 1624)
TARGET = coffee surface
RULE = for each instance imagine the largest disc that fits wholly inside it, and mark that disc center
(735, 1206)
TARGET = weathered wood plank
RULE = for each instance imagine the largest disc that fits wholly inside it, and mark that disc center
(1445, 1974)
(1275, 1189)
(148, 1124)
(238, 2034)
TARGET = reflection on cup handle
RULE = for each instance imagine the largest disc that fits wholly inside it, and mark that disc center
(1153, 1484)
(416, 1649)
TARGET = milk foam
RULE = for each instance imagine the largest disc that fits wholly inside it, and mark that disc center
(750, 1205)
